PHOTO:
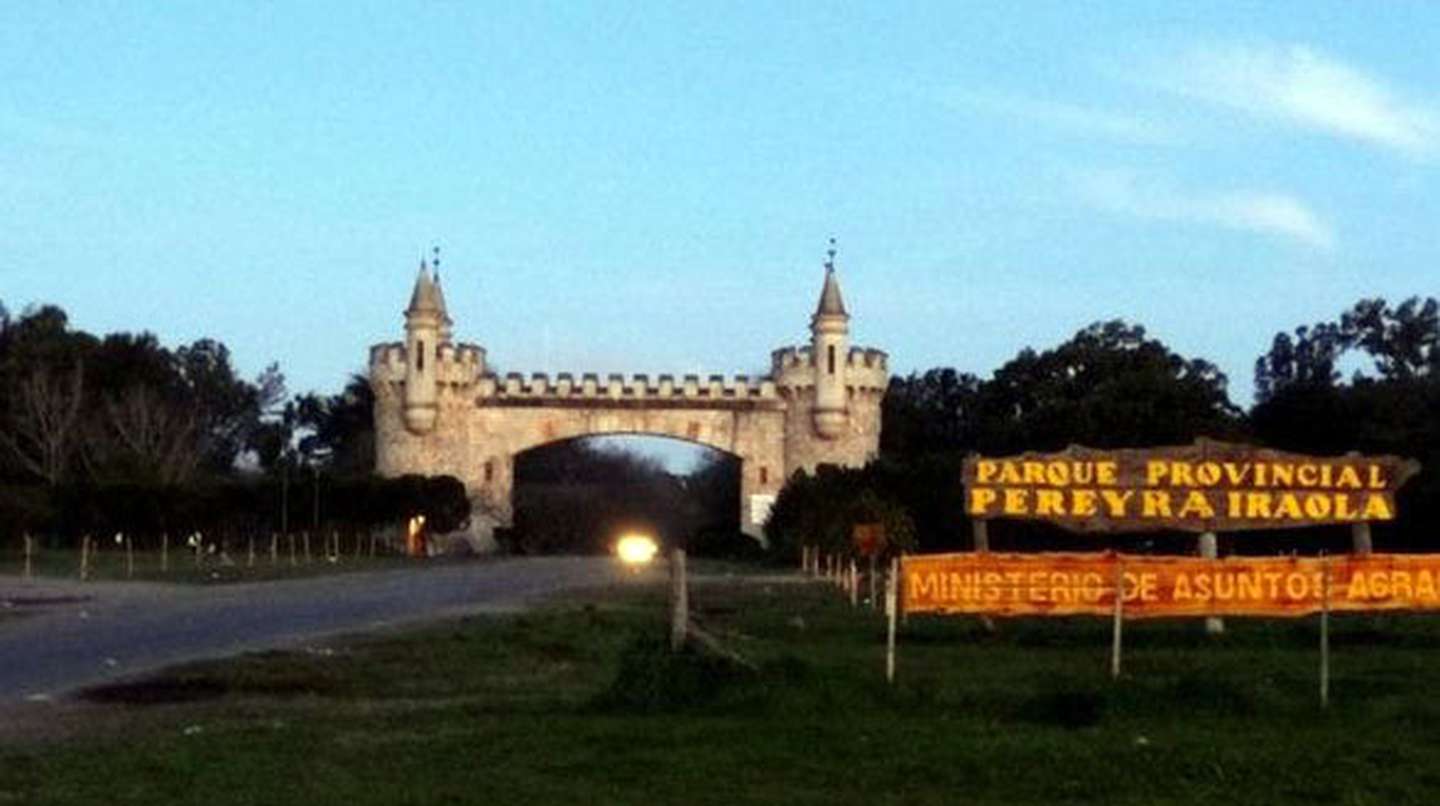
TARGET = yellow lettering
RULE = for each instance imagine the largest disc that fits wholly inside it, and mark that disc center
(1349, 477)
(1196, 506)
(1034, 472)
(1378, 509)
(1424, 585)
(1107, 473)
(992, 580)
(1203, 589)
(1308, 474)
(1057, 474)
(1317, 506)
(1289, 507)
(1380, 585)
(1049, 502)
(1257, 505)
(1224, 586)
(1182, 588)
(985, 471)
(1035, 586)
(1296, 586)
(1154, 504)
(1282, 474)
(1400, 585)
(1082, 503)
(1013, 580)
(1017, 502)
(1149, 581)
(1358, 589)
(1116, 502)
(1377, 477)
(1180, 474)
(1208, 474)
(980, 500)
(926, 586)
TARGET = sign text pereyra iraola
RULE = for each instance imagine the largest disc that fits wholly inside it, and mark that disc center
(1204, 487)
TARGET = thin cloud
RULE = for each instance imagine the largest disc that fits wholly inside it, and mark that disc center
(1307, 88)
(1073, 118)
(1260, 212)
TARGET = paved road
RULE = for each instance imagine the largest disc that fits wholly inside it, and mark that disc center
(94, 632)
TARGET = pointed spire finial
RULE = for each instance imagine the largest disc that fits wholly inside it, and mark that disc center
(830, 256)
(435, 262)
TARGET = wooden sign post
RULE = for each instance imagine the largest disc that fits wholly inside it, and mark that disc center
(1214, 625)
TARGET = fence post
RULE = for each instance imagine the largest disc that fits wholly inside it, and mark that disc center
(1324, 632)
(29, 550)
(1119, 618)
(129, 558)
(164, 552)
(679, 600)
(84, 558)
(892, 605)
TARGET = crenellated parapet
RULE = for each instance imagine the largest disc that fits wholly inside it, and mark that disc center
(540, 389)
(456, 365)
(866, 369)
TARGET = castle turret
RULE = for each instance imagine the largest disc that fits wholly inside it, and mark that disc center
(427, 327)
(830, 348)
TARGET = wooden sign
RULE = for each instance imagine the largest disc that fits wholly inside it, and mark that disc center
(1204, 487)
(1158, 587)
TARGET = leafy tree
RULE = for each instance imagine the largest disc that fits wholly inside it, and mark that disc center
(1108, 386)
(1391, 405)
(936, 412)
(341, 427)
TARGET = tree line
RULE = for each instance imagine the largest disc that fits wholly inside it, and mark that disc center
(1368, 381)
(120, 433)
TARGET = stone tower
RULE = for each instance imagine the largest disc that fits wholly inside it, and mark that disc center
(439, 409)
(427, 328)
(833, 391)
(830, 343)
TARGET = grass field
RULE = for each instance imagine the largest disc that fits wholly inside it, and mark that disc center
(581, 702)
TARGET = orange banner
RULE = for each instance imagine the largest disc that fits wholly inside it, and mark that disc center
(1159, 587)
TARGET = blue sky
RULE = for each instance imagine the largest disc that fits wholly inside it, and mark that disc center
(650, 187)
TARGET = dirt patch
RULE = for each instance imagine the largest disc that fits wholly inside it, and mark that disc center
(155, 691)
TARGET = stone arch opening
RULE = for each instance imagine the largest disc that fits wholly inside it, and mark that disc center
(578, 494)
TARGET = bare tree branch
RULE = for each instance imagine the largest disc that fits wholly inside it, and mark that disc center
(41, 428)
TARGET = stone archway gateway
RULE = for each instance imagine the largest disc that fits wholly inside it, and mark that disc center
(440, 410)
